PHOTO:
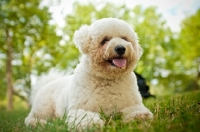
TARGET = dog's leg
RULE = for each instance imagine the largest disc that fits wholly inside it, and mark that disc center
(42, 109)
(82, 119)
(136, 112)
(33, 121)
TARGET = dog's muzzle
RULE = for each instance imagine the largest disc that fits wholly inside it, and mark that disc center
(119, 61)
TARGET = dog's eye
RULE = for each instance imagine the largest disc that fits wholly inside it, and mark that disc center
(104, 41)
(125, 38)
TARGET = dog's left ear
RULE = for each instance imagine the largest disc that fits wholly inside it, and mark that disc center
(138, 47)
(82, 38)
(140, 50)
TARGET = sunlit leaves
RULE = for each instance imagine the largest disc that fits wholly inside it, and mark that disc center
(28, 25)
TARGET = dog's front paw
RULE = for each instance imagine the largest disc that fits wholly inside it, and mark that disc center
(138, 115)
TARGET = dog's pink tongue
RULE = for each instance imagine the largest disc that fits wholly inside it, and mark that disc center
(120, 62)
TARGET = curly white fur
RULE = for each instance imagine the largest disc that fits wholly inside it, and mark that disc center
(102, 81)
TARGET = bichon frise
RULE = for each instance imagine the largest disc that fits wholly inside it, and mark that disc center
(103, 81)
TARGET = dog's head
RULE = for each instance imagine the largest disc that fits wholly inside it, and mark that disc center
(110, 44)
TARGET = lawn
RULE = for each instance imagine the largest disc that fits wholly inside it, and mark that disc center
(177, 113)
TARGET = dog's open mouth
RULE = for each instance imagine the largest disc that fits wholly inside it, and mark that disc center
(118, 62)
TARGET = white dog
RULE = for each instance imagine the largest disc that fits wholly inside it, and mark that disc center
(102, 81)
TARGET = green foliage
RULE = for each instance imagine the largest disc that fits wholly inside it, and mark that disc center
(154, 39)
(171, 113)
(189, 37)
(183, 58)
(32, 37)
(189, 50)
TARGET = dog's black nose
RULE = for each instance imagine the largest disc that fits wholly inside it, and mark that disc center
(120, 49)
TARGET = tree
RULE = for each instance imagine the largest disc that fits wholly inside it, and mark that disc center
(155, 38)
(189, 47)
(27, 43)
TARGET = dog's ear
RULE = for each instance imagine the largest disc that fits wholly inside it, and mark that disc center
(140, 50)
(138, 47)
(82, 38)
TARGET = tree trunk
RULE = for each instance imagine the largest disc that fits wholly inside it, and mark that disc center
(9, 71)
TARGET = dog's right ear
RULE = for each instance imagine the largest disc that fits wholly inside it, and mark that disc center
(82, 38)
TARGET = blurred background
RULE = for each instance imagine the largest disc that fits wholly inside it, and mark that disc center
(36, 37)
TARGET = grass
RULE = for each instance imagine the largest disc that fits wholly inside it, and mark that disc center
(178, 113)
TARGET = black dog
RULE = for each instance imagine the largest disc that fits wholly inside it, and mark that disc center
(143, 87)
